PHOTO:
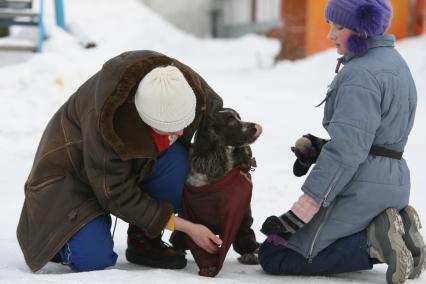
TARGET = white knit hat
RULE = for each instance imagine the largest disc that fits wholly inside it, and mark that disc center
(164, 99)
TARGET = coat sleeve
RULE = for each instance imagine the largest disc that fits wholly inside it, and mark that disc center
(115, 184)
(352, 127)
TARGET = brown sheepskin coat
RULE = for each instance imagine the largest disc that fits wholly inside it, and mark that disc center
(93, 155)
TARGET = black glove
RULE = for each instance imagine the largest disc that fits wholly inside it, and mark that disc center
(284, 226)
(306, 149)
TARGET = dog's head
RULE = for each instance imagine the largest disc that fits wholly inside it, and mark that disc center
(221, 138)
(226, 128)
(220, 144)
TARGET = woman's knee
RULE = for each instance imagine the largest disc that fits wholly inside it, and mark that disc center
(91, 248)
(280, 260)
(89, 262)
(267, 258)
(88, 257)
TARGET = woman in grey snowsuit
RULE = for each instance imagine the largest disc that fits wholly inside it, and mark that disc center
(353, 211)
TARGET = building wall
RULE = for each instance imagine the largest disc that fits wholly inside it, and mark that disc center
(240, 11)
(192, 16)
(249, 16)
(268, 10)
(305, 28)
(400, 22)
(317, 27)
(419, 18)
(219, 18)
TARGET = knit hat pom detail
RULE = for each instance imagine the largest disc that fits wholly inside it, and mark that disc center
(357, 44)
(370, 19)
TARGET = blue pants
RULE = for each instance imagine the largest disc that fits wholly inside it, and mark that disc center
(91, 248)
(167, 179)
(345, 255)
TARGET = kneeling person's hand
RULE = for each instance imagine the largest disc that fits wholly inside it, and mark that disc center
(306, 149)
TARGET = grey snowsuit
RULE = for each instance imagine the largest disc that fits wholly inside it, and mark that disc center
(371, 101)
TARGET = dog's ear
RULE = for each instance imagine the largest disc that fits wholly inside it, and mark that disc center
(208, 154)
(205, 142)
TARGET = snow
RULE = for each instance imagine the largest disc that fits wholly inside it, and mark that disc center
(281, 97)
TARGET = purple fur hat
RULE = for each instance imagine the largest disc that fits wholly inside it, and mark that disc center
(365, 17)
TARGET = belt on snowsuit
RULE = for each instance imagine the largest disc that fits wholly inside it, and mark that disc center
(384, 152)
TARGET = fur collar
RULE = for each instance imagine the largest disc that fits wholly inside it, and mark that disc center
(118, 120)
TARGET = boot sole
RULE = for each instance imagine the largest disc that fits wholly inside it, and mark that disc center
(400, 261)
(403, 254)
(177, 263)
(416, 238)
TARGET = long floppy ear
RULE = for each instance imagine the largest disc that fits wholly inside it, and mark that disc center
(205, 139)
(208, 154)
(205, 142)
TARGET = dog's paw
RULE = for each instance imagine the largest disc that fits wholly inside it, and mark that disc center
(248, 259)
(211, 271)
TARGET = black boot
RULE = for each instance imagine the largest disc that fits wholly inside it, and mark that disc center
(152, 252)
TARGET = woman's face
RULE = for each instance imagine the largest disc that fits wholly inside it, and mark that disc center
(339, 36)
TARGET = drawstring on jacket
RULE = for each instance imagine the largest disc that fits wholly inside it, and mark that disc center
(339, 63)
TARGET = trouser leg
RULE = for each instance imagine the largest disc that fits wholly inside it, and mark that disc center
(165, 182)
(167, 178)
(345, 255)
(91, 248)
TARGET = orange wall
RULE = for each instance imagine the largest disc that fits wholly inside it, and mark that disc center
(294, 41)
(400, 24)
(419, 18)
(317, 27)
(306, 28)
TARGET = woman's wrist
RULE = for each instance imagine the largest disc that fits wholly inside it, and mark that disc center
(182, 225)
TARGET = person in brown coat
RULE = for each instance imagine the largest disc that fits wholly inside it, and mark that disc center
(117, 146)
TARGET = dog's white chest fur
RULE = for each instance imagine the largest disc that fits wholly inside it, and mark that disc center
(197, 179)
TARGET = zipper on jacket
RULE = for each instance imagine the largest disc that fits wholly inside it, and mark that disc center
(323, 219)
(315, 240)
(331, 187)
(324, 204)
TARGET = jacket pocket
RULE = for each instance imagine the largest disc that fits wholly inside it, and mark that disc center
(41, 184)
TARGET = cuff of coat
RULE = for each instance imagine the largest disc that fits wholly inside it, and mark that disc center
(158, 225)
(326, 179)
(317, 198)
(171, 223)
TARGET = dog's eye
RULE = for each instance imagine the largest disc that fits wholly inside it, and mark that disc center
(232, 121)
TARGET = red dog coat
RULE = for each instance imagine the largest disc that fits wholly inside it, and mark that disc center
(224, 207)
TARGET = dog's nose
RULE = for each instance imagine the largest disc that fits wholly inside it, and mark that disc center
(258, 129)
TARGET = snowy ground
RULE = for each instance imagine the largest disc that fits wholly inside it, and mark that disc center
(280, 97)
